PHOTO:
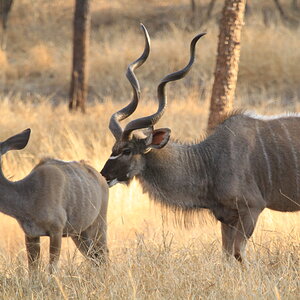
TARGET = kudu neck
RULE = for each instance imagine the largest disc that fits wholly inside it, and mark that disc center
(178, 175)
(9, 195)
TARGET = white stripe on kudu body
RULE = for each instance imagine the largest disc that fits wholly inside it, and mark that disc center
(253, 115)
(275, 141)
(294, 154)
(265, 154)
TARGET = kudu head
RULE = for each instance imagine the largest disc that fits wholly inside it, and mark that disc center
(16, 142)
(129, 152)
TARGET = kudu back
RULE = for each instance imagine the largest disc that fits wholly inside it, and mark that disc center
(57, 199)
(248, 163)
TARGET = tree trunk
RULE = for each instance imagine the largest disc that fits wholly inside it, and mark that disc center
(5, 7)
(78, 90)
(280, 9)
(193, 6)
(210, 8)
(227, 61)
(295, 5)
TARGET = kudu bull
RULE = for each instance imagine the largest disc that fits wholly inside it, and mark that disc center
(246, 164)
(56, 199)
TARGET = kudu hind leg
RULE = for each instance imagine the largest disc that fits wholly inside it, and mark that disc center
(91, 245)
(55, 247)
(82, 242)
(245, 228)
(99, 234)
(93, 241)
(33, 252)
(86, 246)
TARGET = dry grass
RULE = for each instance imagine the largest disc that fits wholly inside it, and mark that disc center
(150, 257)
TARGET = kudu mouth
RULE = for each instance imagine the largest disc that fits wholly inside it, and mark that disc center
(112, 179)
(112, 182)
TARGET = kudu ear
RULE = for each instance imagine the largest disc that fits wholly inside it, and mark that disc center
(16, 142)
(158, 138)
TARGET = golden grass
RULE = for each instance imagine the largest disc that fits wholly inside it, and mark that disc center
(3, 60)
(150, 257)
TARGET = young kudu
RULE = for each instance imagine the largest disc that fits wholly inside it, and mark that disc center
(56, 199)
(246, 164)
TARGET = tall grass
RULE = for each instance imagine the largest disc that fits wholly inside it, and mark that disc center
(151, 258)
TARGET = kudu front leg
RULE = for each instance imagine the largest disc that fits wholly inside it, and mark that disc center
(33, 252)
(245, 228)
(228, 236)
(55, 247)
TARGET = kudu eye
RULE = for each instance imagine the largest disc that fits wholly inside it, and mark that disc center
(126, 151)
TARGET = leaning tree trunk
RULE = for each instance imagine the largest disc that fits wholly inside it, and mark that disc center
(227, 61)
(78, 90)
